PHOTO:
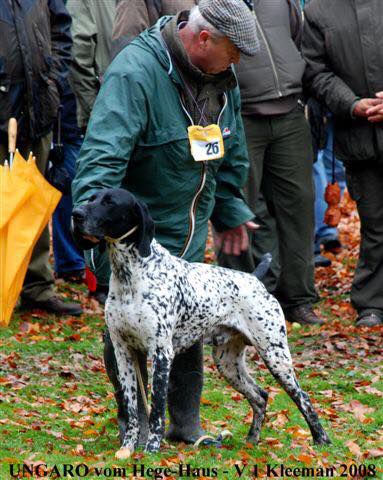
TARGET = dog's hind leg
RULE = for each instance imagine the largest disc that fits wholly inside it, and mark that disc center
(230, 359)
(128, 380)
(161, 361)
(280, 365)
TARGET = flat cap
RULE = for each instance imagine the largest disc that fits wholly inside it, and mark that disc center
(235, 19)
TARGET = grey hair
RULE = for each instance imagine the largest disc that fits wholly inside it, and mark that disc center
(197, 23)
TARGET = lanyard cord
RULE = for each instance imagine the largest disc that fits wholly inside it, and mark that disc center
(188, 89)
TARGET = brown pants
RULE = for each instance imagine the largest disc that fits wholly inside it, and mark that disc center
(38, 283)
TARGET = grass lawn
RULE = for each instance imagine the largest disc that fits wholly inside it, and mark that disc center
(57, 406)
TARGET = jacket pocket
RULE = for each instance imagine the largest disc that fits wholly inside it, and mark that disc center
(46, 103)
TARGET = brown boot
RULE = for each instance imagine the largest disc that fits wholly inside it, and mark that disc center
(304, 315)
(53, 305)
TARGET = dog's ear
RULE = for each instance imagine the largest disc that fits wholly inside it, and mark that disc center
(145, 229)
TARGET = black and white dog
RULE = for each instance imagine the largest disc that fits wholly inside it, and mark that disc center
(161, 305)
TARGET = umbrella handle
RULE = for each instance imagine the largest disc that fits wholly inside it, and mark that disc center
(12, 135)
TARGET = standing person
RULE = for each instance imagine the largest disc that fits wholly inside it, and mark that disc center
(280, 187)
(34, 58)
(343, 47)
(92, 24)
(327, 169)
(146, 142)
(67, 139)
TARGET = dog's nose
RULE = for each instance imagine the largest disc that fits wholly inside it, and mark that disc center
(78, 215)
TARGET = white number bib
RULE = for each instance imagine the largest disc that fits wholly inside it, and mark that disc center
(206, 143)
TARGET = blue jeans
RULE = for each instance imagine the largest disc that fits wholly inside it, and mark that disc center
(68, 257)
(323, 176)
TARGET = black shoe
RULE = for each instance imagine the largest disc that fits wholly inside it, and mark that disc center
(369, 320)
(331, 244)
(53, 305)
(74, 276)
(184, 434)
(304, 315)
(322, 261)
(101, 294)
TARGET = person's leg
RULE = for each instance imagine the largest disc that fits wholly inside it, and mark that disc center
(262, 240)
(289, 192)
(184, 395)
(329, 236)
(366, 188)
(68, 258)
(39, 281)
(320, 182)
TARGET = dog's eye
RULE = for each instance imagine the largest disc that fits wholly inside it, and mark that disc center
(107, 200)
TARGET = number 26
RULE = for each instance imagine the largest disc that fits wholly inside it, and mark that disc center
(212, 148)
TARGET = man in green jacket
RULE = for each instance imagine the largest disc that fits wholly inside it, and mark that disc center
(144, 135)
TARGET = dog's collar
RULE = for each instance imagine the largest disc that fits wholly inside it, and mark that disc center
(116, 240)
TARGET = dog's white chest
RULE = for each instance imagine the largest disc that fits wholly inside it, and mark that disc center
(132, 315)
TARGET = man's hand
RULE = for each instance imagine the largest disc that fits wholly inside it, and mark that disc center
(364, 105)
(235, 240)
(375, 114)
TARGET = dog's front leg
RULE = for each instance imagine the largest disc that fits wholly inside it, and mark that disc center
(128, 380)
(162, 361)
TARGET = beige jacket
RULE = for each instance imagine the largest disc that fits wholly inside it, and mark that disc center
(92, 24)
(131, 21)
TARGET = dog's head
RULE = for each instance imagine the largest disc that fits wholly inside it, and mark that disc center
(110, 214)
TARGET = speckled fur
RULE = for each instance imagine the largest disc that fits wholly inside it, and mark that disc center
(161, 305)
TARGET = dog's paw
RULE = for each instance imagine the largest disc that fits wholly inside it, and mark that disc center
(152, 446)
(123, 453)
(322, 440)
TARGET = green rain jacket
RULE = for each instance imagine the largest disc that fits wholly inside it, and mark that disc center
(137, 139)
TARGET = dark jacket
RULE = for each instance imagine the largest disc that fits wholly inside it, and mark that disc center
(34, 60)
(276, 71)
(142, 145)
(343, 47)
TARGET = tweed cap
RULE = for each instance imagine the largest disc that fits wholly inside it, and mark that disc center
(235, 19)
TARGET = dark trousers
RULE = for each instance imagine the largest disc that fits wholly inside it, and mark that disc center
(184, 392)
(365, 185)
(38, 283)
(280, 191)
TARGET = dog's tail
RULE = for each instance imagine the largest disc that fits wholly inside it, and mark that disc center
(263, 266)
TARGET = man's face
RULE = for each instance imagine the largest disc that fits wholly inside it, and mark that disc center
(220, 53)
(211, 54)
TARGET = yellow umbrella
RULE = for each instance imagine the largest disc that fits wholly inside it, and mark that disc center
(14, 191)
(21, 232)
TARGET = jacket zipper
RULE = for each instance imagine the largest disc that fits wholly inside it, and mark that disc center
(273, 66)
(193, 210)
(193, 206)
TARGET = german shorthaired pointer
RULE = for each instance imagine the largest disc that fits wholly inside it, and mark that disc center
(161, 305)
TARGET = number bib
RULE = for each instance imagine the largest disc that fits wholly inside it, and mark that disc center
(206, 143)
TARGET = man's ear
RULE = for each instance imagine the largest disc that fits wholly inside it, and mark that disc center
(145, 229)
